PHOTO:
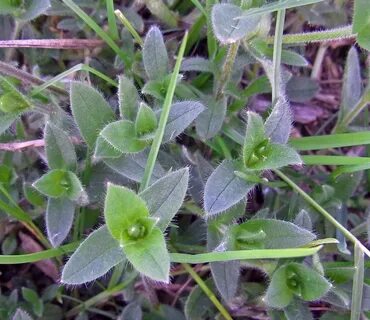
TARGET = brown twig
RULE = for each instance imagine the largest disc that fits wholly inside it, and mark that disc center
(19, 146)
(53, 43)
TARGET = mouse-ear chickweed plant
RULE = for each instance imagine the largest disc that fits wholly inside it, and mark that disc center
(159, 156)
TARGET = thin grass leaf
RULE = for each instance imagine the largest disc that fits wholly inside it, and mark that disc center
(358, 284)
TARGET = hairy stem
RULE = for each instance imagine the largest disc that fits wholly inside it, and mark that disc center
(227, 69)
(317, 36)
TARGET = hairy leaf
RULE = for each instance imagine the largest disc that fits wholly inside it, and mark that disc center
(86, 104)
(224, 189)
(227, 28)
(267, 234)
(122, 208)
(196, 64)
(21, 315)
(210, 121)
(60, 151)
(59, 219)
(146, 122)
(155, 56)
(352, 84)
(165, 197)
(58, 183)
(132, 166)
(98, 253)
(150, 256)
(122, 136)
(181, 115)
(128, 98)
(279, 123)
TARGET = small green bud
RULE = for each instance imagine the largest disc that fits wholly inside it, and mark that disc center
(250, 240)
(293, 281)
(253, 159)
(10, 102)
(136, 231)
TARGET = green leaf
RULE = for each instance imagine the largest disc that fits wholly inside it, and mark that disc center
(226, 275)
(224, 189)
(34, 8)
(59, 149)
(276, 156)
(255, 139)
(267, 234)
(10, 6)
(32, 298)
(298, 310)
(128, 98)
(98, 253)
(86, 103)
(6, 120)
(279, 123)
(361, 23)
(352, 84)
(301, 89)
(181, 115)
(196, 64)
(146, 122)
(58, 183)
(122, 209)
(12, 101)
(227, 28)
(165, 197)
(311, 284)
(132, 166)
(155, 56)
(150, 256)
(59, 219)
(132, 312)
(278, 293)
(21, 315)
(210, 121)
(104, 150)
(122, 136)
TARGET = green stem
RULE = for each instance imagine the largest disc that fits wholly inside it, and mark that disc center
(207, 291)
(317, 36)
(98, 30)
(163, 119)
(227, 69)
(321, 210)
(129, 27)
(276, 60)
(38, 256)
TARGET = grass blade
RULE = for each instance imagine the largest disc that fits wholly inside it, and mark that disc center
(163, 119)
(358, 284)
(129, 27)
(243, 255)
(113, 31)
(99, 31)
(76, 68)
(38, 256)
(335, 160)
(331, 141)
